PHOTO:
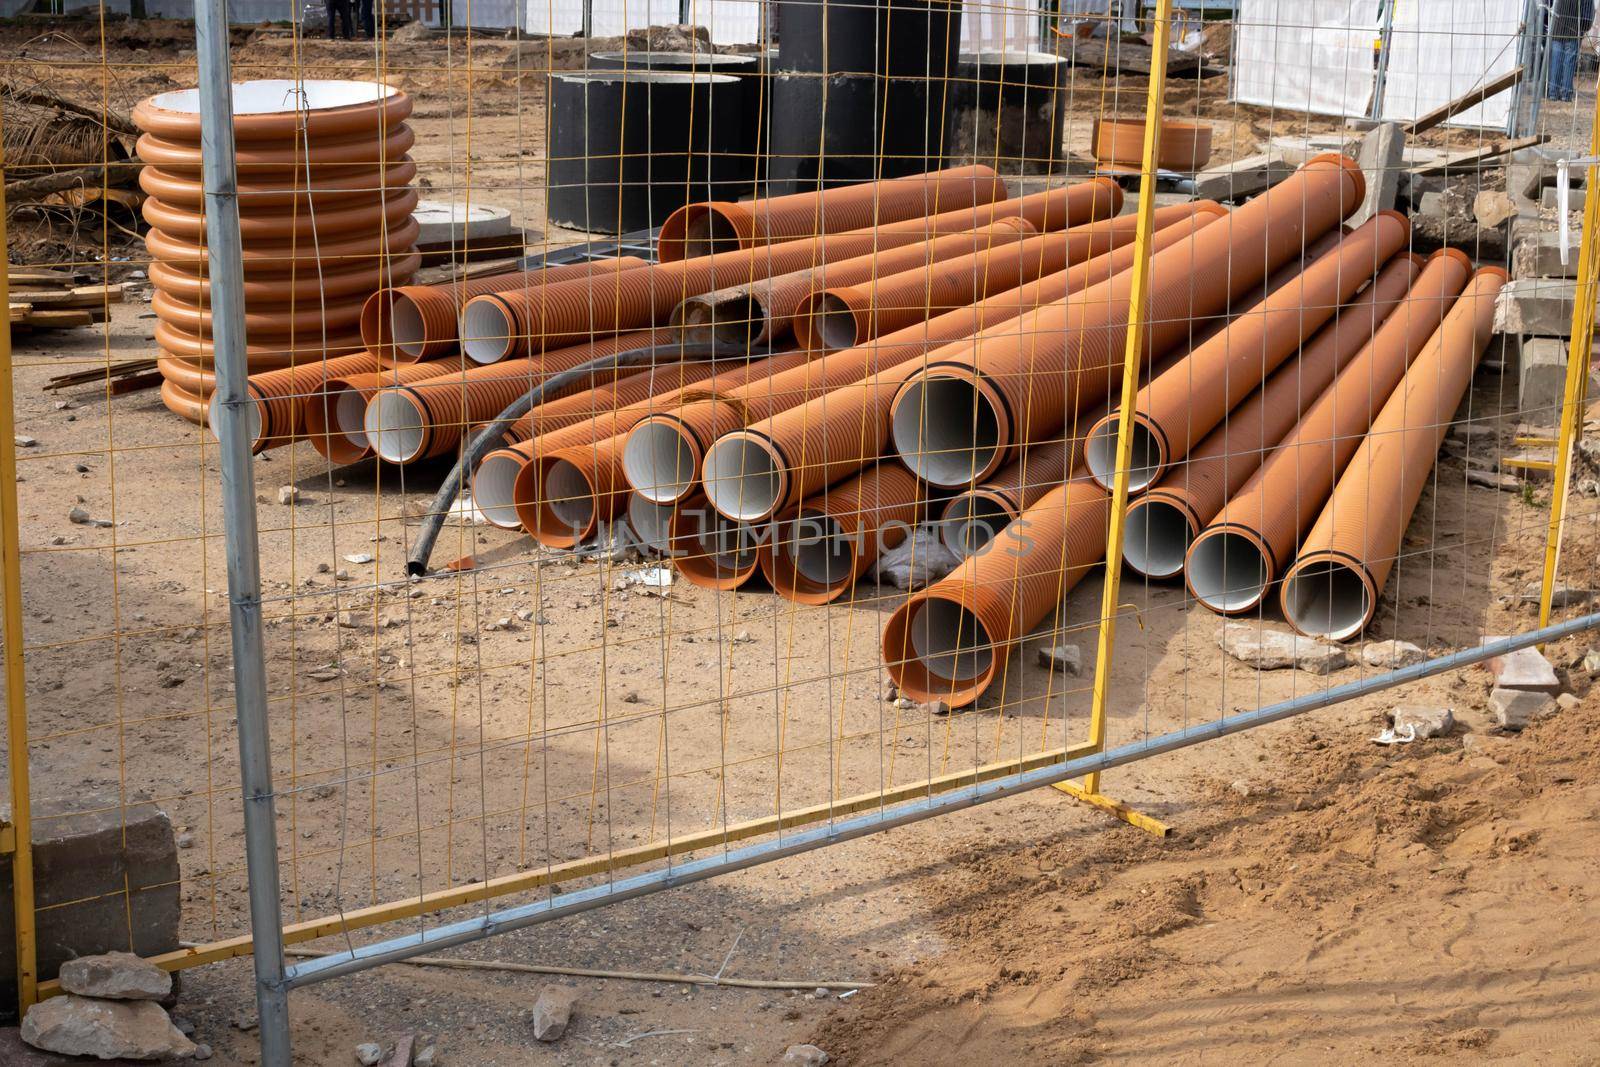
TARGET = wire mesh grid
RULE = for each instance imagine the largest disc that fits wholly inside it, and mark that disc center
(707, 637)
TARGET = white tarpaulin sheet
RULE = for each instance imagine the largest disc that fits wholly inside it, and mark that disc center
(1438, 52)
(1307, 55)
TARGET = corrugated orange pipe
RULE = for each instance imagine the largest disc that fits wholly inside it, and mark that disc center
(949, 641)
(816, 555)
(1181, 405)
(823, 437)
(712, 552)
(1163, 522)
(280, 397)
(1241, 552)
(283, 257)
(178, 190)
(756, 313)
(1333, 587)
(258, 226)
(504, 483)
(583, 485)
(971, 518)
(846, 313)
(335, 412)
(413, 322)
(699, 229)
(307, 287)
(965, 415)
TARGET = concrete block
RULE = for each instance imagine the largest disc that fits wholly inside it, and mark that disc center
(1516, 708)
(1538, 255)
(1380, 157)
(1538, 307)
(1526, 668)
(1541, 377)
(104, 881)
(1550, 199)
(1242, 178)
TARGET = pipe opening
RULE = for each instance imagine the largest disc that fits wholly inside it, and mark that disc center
(1157, 538)
(651, 521)
(742, 479)
(707, 232)
(406, 327)
(1326, 599)
(569, 498)
(349, 417)
(945, 430)
(485, 331)
(276, 96)
(394, 426)
(739, 321)
(658, 462)
(833, 323)
(723, 545)
(251, 412)
(970, 522)
(949, 640)
(817, 547)
(1227, 572)
(494, 490)
(1100, 455)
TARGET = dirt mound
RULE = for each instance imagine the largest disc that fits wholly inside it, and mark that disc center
(1421, 899)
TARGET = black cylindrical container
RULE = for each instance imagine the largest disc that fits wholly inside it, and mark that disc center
(628, 148)
(1008, 109)
(747, 68)
(838, 130)
(894, 38)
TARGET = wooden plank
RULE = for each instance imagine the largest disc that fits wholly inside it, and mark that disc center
(111, 294)
(35, 274)
(127, 369)
(44, 297)
(1470, 98)
(56, 319)
(1474, 156)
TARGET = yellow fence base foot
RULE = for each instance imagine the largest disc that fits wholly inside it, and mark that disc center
(1148, 823)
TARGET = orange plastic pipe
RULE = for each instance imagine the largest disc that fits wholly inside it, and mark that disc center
(285, 193)
(713, 552)
(978, 401)
(846, 313)
(1333, 587)
(971, 518)
(949, 641)
(258, 225)
(278, 416)
(268, 158)
(756, 313)
(270, 111)
(815, 556)
(330, 281)
(335, 413)
(1183, 404)
(305, 321)
(1248, 545)
(281, 257)
(1165, 521)
(783, 456)
(412, 322)
(701, 229)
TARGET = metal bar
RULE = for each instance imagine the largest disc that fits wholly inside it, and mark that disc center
(16, 672)
(1385, 35)
(1138, 298)
(1579, 347)
(224, 257)
(454, 934)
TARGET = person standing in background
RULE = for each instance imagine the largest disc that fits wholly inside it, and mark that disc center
(1569, 20)
(368, 28)
(339, 10)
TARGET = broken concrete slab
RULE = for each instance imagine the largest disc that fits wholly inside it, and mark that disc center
(1526, 668)
(1243, 177)
(115, 976)
(1065, 658)
(1269, 650)
(1538, 255)
(106, 879)
(1516, 708)
(1506, 483)
(1422, 721)
(1380, 155)
(1550, 199)
(1390, 655)
(1541, 375)
(108, 1029)
(1539, 307)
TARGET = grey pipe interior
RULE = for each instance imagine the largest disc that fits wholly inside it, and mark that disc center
(741, 478)
(658, 462)
(1100, 455)
(949, 640)
(568, 496)
(727, 544)
(945, 431)
(817, 547)
(1326, 599)
(405, 326)
(969, 523)
(485, 331)
(739, 321)
(350, 415)
(1227, 573)
(394, 426)
(1156, 539)
(494, 490)
(708, 232)
(833, 323)
(251, 413)
(652, 522)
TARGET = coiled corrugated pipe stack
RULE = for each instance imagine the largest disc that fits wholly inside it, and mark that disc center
(325, 202)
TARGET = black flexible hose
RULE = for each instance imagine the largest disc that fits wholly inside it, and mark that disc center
(490, 437)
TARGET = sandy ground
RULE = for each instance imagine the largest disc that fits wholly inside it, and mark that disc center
(440, 748)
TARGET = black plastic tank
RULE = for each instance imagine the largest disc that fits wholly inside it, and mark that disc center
(1009, 110)
(629, 147)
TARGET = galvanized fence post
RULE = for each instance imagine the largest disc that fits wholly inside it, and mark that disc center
(224, 257)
